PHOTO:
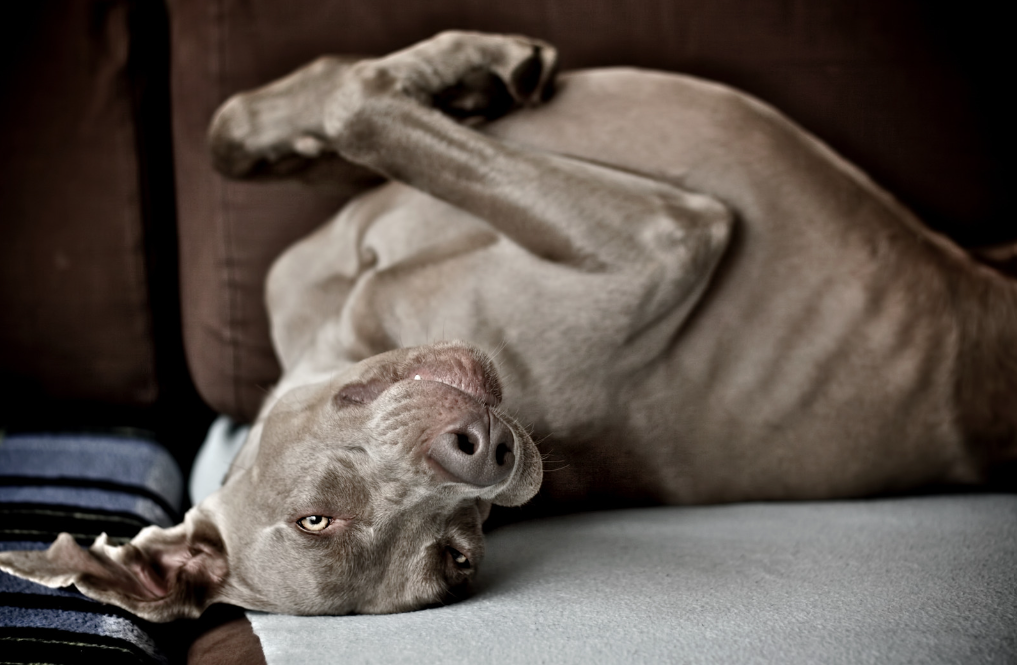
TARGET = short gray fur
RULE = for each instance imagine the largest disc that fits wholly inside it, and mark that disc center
(918, 580)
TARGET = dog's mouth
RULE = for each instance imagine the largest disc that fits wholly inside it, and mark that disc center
(461, 367)
(454, 364)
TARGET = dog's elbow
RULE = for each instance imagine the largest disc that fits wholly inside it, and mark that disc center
(688, 237)
(684, 247)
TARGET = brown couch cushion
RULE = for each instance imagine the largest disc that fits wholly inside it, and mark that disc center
(885, 83)
(231, 643)
(73, 293)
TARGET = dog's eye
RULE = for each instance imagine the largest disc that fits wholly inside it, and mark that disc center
(314, 523)
(458, 558)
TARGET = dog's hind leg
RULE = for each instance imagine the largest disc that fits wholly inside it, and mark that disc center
(986, 300)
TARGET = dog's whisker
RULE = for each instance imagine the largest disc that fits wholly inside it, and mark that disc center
(496, 353)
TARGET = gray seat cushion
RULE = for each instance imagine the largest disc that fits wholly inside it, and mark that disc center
(929, 580)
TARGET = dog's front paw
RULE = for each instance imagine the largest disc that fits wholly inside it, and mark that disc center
(277, 129)
(531, 77)
(489, 75)
(464, 74)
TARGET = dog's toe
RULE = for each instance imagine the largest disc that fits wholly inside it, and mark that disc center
(226, 139)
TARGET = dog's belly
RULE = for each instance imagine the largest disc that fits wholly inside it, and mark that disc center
(845, 393)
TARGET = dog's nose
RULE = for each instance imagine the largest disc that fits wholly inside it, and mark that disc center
(480, 451)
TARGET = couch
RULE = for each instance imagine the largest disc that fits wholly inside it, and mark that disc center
(131, 279)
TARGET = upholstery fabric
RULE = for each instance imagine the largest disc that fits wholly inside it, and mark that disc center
(900, 88)
(84, 485)
(232, 643)
(918, 580)
(73, 288)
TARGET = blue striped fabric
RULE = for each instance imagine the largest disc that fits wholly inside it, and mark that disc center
(94, 498)
(82, 484)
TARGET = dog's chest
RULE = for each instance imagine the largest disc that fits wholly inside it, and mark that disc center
(426, 271)
(404, 230)
(416, 280)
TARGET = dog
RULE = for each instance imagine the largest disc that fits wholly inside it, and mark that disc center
(681, 296)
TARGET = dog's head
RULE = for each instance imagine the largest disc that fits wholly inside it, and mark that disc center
(362, 493)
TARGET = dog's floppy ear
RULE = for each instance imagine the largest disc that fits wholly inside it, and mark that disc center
(161, 575)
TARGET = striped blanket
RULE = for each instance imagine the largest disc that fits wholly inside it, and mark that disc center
(84, 485)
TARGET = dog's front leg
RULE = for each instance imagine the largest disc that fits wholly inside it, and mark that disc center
(396, 116)
(386, 116)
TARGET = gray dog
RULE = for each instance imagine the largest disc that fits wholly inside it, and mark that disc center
(682, 296)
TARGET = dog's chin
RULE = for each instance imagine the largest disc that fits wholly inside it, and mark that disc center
(459, 365)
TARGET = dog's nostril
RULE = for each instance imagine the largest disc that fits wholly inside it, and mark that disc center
(465, 444)
(475, 454)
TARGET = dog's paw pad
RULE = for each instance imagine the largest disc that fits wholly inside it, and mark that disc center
(532, 68)
(489, 75)
(525, 78)
(480, 94)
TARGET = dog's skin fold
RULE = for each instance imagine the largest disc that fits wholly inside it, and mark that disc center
(681, 295)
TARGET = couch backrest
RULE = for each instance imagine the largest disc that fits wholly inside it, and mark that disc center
(89, 298)
(74, 298)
